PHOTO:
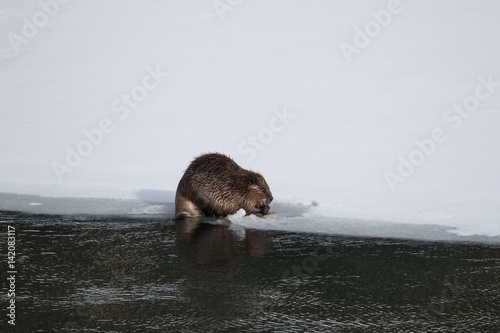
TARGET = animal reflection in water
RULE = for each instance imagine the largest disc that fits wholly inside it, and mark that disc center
(218, 245)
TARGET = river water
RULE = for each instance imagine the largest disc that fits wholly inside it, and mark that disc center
(78, 273)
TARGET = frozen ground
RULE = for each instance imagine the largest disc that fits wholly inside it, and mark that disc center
(381, 111)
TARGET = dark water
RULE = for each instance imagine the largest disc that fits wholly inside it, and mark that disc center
(115, 274)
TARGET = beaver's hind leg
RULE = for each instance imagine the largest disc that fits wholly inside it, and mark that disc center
(186, 208)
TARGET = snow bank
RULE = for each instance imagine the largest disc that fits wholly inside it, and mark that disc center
(380, 111)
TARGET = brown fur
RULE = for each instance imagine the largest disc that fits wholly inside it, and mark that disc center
(214, 185)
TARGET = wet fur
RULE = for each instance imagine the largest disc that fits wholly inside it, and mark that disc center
(214, 185)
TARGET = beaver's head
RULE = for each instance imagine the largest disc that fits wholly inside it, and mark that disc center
(258, 195)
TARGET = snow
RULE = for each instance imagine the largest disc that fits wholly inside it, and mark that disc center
(111, 101)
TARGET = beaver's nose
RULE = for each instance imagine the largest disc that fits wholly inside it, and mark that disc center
(265, 209)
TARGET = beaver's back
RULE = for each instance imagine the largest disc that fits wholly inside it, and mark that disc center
(213, 164)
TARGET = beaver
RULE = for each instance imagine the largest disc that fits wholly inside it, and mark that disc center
(215, 185)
